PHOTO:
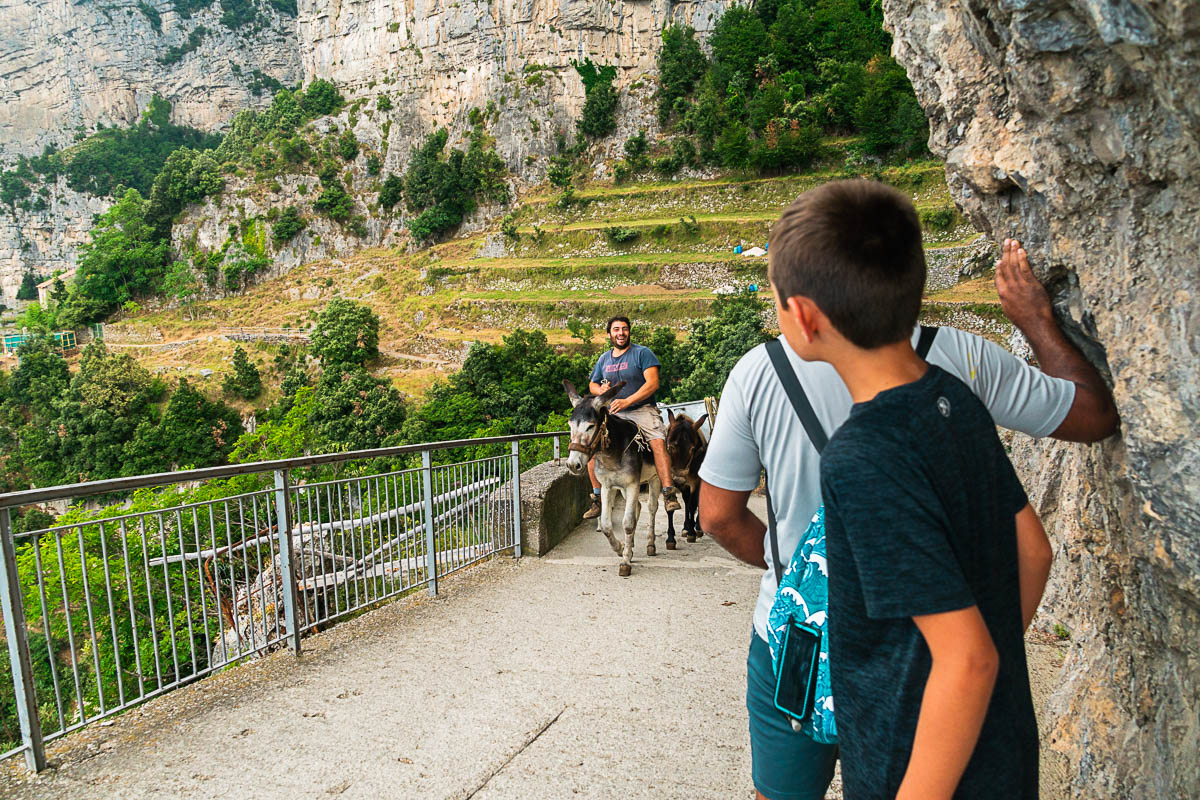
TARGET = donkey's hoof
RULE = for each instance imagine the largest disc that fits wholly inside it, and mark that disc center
(650, 551)
(691, 537)
(670, 545)
(624, 570)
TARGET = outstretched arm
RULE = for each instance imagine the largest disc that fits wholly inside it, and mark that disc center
(1093, 415)
(725, 515)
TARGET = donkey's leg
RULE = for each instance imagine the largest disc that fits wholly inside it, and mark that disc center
(691, 502)
(607, 494)
(670, 530)
(630, 493)
(655, 490)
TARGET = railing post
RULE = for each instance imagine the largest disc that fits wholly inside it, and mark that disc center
(430, 543)
(557, 450)
(18, 648)
(283, 525)
(516, 497)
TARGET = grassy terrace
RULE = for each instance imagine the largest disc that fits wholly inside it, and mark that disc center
(565, 264)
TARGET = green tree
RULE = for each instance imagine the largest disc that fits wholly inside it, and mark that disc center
(290, 223)
(738, 40)
(888, 113)
(125, 257)
(346, 333)
(347, 145)
(391, 192)
(635, 151)
(28, 289)
(734, 146)
(599, 117)
(195, 431)
(245, 381)
(334, 202)
(355, 411)
(40, 377)
(321, 98)
(715, 345)
(681, 63)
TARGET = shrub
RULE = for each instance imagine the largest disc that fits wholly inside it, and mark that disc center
(508, 227)
(621, 172)
(245, 381)
(321, 98)
(290, 223)
(334, 202)
(599, 116)
(635, 151)
(374, 164)
(346, 333)
(384, 103)
(28, 289)
(666, 166)
(347, 145)
(391, 192)
(621, 235)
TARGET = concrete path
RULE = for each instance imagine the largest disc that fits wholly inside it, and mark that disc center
(538, 678)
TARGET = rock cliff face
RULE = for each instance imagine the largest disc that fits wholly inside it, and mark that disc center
(1075, 124)
(66, 64)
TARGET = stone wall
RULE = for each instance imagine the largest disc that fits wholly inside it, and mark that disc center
(552, 504)
(1073, 124)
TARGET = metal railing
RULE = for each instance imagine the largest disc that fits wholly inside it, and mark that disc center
(202, 568)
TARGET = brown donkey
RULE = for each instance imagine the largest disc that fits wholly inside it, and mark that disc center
(686, 446)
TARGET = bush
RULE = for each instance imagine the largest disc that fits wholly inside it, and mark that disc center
(334, 202)
(600, 98)
(347, 145)
(374, 165)
(245, 381)
(321, 98)
(938, 219)
(391, 192)
(508, 227)
(621, 235)
(289, 224)
(346, 333)
(622, 172)
(666, 166)
(561, 173)
(384, 103)
(635, 151)
(888, 113)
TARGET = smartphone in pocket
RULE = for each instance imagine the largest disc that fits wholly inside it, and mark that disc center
(796, 681)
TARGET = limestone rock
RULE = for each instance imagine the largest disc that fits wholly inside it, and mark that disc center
(1074, 125)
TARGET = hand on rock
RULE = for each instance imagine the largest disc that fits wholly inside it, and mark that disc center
(1022, 296)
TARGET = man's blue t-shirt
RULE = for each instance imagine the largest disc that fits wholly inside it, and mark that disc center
(627, 367)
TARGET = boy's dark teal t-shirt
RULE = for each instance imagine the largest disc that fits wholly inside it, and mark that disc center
(920, 506)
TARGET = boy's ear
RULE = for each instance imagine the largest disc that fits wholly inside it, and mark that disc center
(806, 315)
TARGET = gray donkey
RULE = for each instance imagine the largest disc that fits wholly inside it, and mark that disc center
(623, 462)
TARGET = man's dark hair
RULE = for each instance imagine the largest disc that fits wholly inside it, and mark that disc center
(854, 249)
(620, 318)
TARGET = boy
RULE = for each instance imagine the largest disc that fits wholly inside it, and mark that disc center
(927, 599)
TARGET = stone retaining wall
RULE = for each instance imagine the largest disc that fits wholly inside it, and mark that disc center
(552, 504)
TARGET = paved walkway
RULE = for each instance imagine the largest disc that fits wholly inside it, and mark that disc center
(538, 678)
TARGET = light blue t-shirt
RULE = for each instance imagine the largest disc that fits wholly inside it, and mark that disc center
(757, 428)
(630, 367)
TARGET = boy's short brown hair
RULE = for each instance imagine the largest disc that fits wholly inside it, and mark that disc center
(854, 249)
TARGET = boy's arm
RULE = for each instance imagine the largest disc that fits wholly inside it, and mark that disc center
(954, 704)
(1034, 556)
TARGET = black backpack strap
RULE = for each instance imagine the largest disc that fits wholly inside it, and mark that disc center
(795, 393)
(926, 340)
(812, 427)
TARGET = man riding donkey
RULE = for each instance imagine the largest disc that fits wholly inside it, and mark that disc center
(636, 366)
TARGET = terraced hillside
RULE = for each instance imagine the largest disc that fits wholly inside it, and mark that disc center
(657, 252)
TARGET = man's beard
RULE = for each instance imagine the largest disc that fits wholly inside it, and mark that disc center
(619, 343)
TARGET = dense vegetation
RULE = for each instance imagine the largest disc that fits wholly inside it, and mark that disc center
(442, 189)
(783, 74)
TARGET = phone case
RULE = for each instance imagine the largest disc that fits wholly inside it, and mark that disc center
(804, 672)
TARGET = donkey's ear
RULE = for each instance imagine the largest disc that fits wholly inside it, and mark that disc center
(698, 424)
(612, 391)
(571, 393)
(670, 416)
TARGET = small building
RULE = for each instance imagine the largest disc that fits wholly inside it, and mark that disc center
(45, 287)
(64, 342)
